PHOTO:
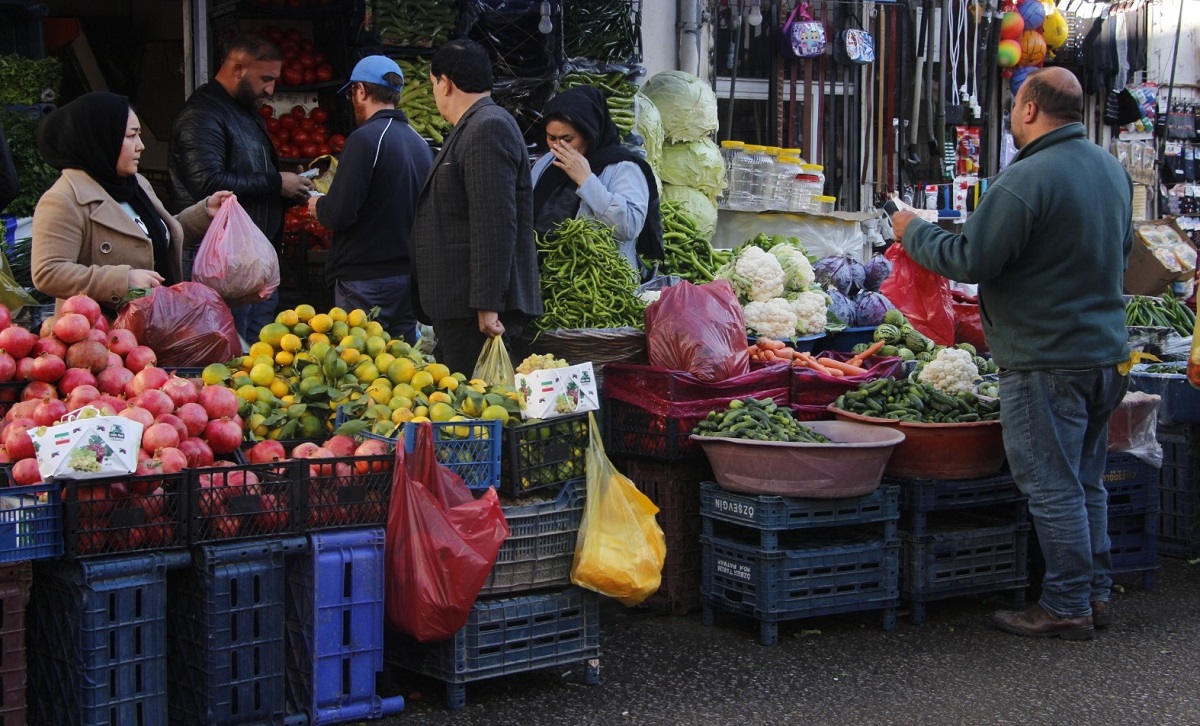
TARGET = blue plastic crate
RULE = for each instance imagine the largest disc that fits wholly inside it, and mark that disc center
(335, 628)
(1179, 491)
(1180, 402)
(540, 548)
(935, 495)
(855, 571)
(226, 637)
(30, 523)
(790, 513)
(1134, 549)
(470, 449)
(507, 636)
(1132, 485)
(843, 340)
(97, 632)
(15, 579)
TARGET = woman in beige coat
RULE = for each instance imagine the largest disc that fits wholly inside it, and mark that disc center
(100, 230)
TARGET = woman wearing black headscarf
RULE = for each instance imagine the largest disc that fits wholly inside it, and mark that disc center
(588, 172)
(100, 230)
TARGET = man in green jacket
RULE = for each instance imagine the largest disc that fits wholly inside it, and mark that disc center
(1048, 245)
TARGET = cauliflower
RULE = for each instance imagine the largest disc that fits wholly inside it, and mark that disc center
(649, 296)
(755, 273)
(771, 319)
(951, 371)
(797, 270)
(809, 308)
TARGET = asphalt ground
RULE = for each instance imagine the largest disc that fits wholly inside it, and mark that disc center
(952, 669)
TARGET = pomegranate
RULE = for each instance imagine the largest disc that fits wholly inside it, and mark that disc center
(112, 380)
(121, 341)
(198, 453)
(223, 434)
(8, 366)
(322, 453)
(226, 527)
(24, 368)
(49, 344)
(155, 401)
(112, 404)
(81, 396)
(153, 504)
(115, 361)
(147, 379)
(194, 417)
(159, 436)
(48, 367)
(4, 457)
(101, 324)
(303, 449)
(17, 441)
(25, 472)
(38, 390)
(139, 358)
(82, 305)
(266, 452)
(172, 459)
(47, 328)
(175, 422)
(340, 445)
(23, 409)
(181, 390)
(139, 414)
(118, 490)
(218, 402)
(74, 378)
(5, 318)
(17, 341)
(273, 514)
(212, 495)
(97, 336)
(87, 354)
(49, 412)
(371, 447)
(72, 328)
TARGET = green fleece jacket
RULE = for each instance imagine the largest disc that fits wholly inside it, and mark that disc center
(1048, 245)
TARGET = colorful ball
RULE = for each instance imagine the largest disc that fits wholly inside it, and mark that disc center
(1033, 13)
(1055, 30)
(1018, 77)
(1011, 26)
(1008, 54)
(1033, 48)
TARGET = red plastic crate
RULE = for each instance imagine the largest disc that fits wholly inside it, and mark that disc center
(15, 580)
(810, 388)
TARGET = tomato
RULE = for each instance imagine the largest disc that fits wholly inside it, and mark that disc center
(299, 137)
(291, 45)
(319, 133)
(310, 76)
(290, 55)
(273, 125)
(323, 150)
(308, 59)
(292, 76)
(291, 224)
(284, 135)
(319, 115)
(308, 124)
(324, 73)
(306, 45)
(322, 59)
(336, 142)
(266, 111)
(292, 34)
(310, 150)
(288, 121)
(299, 111)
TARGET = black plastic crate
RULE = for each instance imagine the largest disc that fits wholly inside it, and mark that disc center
(15, 579)
(349, 491)
(855, 571)
(772, 513)
(124, 514)
(540, 547)
(242, 501)
(544, 455)
(21, 28)
(225, 639)
(1134, 549)
(632, 431)
(508, 636)
(1179, 491)
(1132, 485)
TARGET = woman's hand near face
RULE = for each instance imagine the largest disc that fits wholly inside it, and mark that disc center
(571, 161)
(213, 203)
(144, 279)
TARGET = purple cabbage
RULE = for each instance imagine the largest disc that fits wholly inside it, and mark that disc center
(824, 268)
(842, 272)
(870, 307)
(878, 268)
(841, 306)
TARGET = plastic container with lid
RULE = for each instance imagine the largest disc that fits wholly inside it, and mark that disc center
(729, 151)
(746, 181)
(824, 203)
(786, 169)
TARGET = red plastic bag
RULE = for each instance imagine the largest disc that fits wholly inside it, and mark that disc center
(968, 324)
(923, 296)
(698, 329)
(441, 544)
(235, 258)
(186, 324)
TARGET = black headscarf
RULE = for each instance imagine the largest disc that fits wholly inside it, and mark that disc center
(87, 134)
(585, 108)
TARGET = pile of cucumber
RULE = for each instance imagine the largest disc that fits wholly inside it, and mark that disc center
(908, 400)
(759, 420)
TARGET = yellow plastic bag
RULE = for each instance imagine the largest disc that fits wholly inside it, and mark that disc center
(494, 366)
(328, 168)
(620, 548)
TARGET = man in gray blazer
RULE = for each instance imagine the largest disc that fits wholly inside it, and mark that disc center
(473, 253)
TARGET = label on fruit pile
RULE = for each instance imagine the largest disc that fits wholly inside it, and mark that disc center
(87, 446)
(558, 391)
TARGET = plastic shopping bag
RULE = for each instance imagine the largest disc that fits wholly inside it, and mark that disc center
(620, 549)
(188, 323)
(441, 544)
(923, 296)
(698, 329)
(87, 445)
(235, 258)
(494, 366)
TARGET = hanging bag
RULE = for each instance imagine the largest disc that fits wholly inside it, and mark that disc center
(854, 46)
(801, 36)
(235, 258)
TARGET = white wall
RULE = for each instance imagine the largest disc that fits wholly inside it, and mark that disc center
(661, 37)
(1164, 16)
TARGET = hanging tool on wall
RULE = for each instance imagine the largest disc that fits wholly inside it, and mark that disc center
(912, 156)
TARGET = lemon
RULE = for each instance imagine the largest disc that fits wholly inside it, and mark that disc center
(305, 312)
(399, 348)
(401, 370)
(287, 317)
(350, 356)
(418, 419)
(265, 360)
(440, 397)
(301, 330)
(437, 370)
(321, 323)
(359, 333)
(495, 413)
(403, 389)
(291, 343)
(468, 407)
(356, 318)
(319, 350)
(272, 333)
(339, 330)
(366, 372)
(307, 384)
(284, 358)
(310, 426)
(373, 327)
(262, 374)
(279, 387)
(375, 345)
(461, 432)
(422, 380)
(380, 395)
(401, 415)
(422, 411)
(265, 396)
(354, 342)
(261, 348)
(398, 402)
(311, 370)
(240, 379)
(256, 424)
(287, 400)
(448, 383)
(248, 393)
(338, 315)
(302, 357)
(383, 360)
(214, 374)
(337, 369)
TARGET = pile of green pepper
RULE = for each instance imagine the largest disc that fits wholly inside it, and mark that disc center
(585, 282)
(1164, 312)
(416, 101)
(413, 23)
(688, 254)
(602, 30)
(618, 91)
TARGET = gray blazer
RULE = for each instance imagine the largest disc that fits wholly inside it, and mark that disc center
(472, 240)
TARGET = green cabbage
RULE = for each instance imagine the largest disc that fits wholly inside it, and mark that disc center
(697, 206)
(650, 128)
(687, 105)
(695, 164)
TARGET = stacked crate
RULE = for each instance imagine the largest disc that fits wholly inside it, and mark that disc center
(15, 579)
(961, 537)
(1133, 505)
(779, 558)
(1179, 490)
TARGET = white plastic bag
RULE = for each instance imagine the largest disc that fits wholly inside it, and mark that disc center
(87, 445)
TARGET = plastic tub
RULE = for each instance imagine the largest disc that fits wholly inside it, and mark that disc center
(851, 466)
(939, 451)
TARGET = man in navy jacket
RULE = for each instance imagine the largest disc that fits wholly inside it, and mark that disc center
(372, 200)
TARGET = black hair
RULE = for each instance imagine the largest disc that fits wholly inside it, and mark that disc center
(383, 94)
(464, 62)
(255, 46)
(1063, 104)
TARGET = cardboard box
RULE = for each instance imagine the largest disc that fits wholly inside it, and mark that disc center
(558, 391)
(1146, 274)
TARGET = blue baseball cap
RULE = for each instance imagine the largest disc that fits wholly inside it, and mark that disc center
(372, 69)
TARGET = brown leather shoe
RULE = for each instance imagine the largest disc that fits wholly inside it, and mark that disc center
(1102, 613)
(1035, 622)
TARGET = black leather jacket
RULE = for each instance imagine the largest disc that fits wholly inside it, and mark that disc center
(216, 144)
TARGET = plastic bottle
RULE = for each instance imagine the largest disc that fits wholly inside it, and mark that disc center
(810, 183)
(787, 167)
(729, 151)
(825, 203)
(764, 180)
(745, 182)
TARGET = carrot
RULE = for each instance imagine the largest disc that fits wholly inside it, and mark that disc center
(872, 350)
(847, 368)
(817, 366)
(771, 344)
(769, 355)
(786, 353)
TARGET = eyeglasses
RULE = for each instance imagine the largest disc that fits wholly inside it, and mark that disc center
(350, 92)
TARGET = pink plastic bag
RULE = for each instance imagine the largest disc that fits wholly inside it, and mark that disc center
(235, 257)
(698, 329)
(923, 296)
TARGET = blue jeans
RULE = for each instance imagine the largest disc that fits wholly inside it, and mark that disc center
(250, 319)
(1056, 437)
(390, 294)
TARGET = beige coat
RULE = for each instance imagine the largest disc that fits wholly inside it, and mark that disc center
(84, 242)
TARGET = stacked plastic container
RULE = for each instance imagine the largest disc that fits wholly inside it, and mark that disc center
(1133, 509)
(1179, 490)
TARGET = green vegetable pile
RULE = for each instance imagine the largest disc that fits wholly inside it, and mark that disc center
(416, 101)
(1172, 369)
(902, 340)
(688, 254)
(758, 420)
(907, 400)
(602, 30)
(585, 282)
(989, 388)
(35, 175)
(618, 91)
(413, 23)
(1160, 312)
(24, 82)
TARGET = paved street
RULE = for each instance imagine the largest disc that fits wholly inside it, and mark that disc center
(953, 669)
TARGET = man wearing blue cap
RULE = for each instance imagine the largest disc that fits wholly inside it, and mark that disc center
(372, 200)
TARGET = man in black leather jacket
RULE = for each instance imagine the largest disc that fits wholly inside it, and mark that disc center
(219, 141)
